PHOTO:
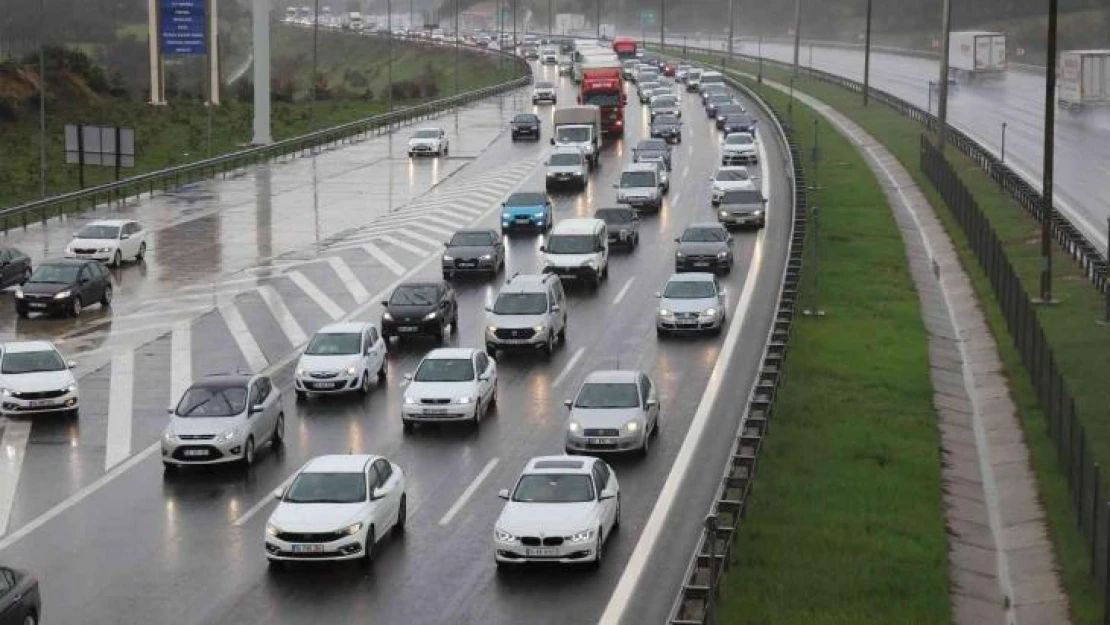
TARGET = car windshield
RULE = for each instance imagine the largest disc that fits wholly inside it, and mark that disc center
(426, 134)
(334, 344)
(647, 87)
(554, 488)
(564, 159)
(704, 235)
(608, 395)
(525, 119)
(31, 362)
(472, 239)
(653, 144)
(544, 85)
(571, 244)
(664, 101)
(520, 304)
(57, 274)
(98, 232)
(327, 488)
(732, 175)
(415, 295)
(213, 401)
(713, 79)
(526, 199)
(445, 370)
(689, 289)
(739, 140)
(602, 99)
(614, 215)
(637, 179)
(742, 197)
(572, 135)
(666, 120)
(719, 98)
(730, 109)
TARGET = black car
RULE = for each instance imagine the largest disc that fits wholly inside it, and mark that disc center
(473, 251)
(526, 125)
(652, 150)
(416, 308)
(724, 110)
(704, 247)
(20, 603)
(15, 267)
(715, 100)
(737, 122)
(667, 128)
(742, 207)
(623, 224)
(64, 286)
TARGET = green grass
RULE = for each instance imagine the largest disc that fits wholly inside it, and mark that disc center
(1080, 345)
(846, 522)
(178, 133)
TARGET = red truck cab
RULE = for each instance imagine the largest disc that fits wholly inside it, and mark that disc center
(625, 47)
(604, 88)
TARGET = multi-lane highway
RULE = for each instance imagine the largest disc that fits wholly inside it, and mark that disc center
(1082, 169)
(240, 271)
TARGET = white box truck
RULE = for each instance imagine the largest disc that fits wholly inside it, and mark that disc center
(579, 126)
(975, 55)
(1084, 79)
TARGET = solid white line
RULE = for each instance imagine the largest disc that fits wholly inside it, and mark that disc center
(384, 259)
(282, 315)
(416, 236)
(252, 353)
(469, 492)
(623, 291)
(348, 278)
(269, 498)
(567, 368)
(441, 221)
(333, 310)
(13, 449)
(434, 230)
(181, 359)
(121, 390)
(637, 562)
(408, 247)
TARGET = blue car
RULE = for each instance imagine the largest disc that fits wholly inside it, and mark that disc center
(526, 211)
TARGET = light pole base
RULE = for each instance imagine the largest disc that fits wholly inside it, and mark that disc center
(813, 313)
(1044, 302)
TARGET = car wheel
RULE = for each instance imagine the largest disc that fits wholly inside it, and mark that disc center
(660, 332)
(563, 335)
(106, 296)
(277, 439)
(599, 553)
(455, 323)
(276, 565)
(407, 426)
(365, 385)
(301, 395)
(75, 306)
(491, 351)
(248, 453)
(382, 372)
(448, 276)
(169, 468)
(549, 348)
(617, 516)
(439, 335)
(142, 251)
(402, 516)
(117, 260)
(371, 548)
(492, 398)
(21, 311)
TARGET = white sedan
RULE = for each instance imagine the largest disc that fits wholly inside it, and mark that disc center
(337, 508)
(731, 178)
(109, 240)
(562, 509)
(341, 358)
(34, 378)
(428, 141)
(451, 384)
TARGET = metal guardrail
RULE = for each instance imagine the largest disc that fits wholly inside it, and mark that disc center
(1067, 235)
(171, 177)
(696, 600)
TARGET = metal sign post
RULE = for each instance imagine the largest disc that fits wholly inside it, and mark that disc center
(105, 146)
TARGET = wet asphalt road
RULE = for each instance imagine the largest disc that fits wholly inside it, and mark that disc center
(130, 546)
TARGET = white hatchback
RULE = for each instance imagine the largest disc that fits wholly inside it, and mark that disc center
(562, 509)
(337, 508)
(109, 240)
(451, 384)
(341, 358)
(34, 378)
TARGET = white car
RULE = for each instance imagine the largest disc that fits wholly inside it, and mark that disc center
(427, 141)
(544, 92)
(562, 509)
(35, 378)
(337, 508)
(341, 358)
(738, 148)
(451, 384)
(614, 411)
(731, 178)
(109, 240)
(691, 302)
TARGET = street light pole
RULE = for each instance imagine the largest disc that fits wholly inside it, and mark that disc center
(550, 20)
(1047, 211)
(315, 40)
(42, 98)
(942, 86)
(731, 20)
(457, 35)
(797, 32)
(867, 57)
(662, 26)
(389, 71)
(597, 3)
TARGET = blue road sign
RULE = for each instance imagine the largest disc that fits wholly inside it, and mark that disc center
(647, 17)
(184, 27)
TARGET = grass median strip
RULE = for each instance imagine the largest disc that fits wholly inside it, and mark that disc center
(846, 523)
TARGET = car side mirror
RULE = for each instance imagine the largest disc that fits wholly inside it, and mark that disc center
(279, 492)
(377, 494)
(568, 402)
(543, 248)
(552, 143)
(677, 240)
(407, 377)
(385, 303)
(169, 410)
(82, 280)
(764, 201)
(488, 308)
(606, 494)
(124, 236)
(616, 186)
(658, 294)
(255, 409)
(71, 364)
(651, 403)
(503, 493)
(555, 308)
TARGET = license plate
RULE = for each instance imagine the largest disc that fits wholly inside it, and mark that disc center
(701, 264)
(308, 549)
(83, 255)
(600, 441)
(196, 453)
(435, 411)
(41, 403)
(541, 551)
(407, 329)
(471, 263)
(37, 305)
(325, 385)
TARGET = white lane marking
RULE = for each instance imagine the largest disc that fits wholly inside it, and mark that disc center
(469, 492)
(686, 170)
(623, 291)
(567, 368)
(13, 449)
(252, 353)
(348, 278)
(333, 310)
(181, 359)
(416, 236)
(408, 247)
(676, 199)
(637, 562)
(121, 389)
(444, 222)
(282, 315)
(384, 259)
(432, 229)
(269, 498)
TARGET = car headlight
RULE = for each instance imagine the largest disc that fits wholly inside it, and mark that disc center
(486, 257)
(72, 388)
(430, 316)
(592, 264)
(63, 294)
(465, 399)
(19, 293)
(448, 259)
(169, 437)
(491, 329)
(230, 435)
(710, 312)
(410, 401)
(724, 213)
(632, 426)
(722, 255)
(663, 312)
(351, 529)
(272, 530)
(538, 215)
(351, 370)
(502, 536)
(574, 426)
(387, 316)
(757, 213)
(105, 249)
(302, 372)
(540, 329)
(581, 537)
(679, 255)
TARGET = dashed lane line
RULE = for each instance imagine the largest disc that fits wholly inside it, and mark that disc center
(349, 280)
(248, 346)
(121, 390)
(384, 259)
(469, 492)
(567, 368)
(333, 310)
(281, 313)
(13, 447)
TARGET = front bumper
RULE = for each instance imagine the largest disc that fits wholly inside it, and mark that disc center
(526, 132)
(622, 442)
(544, 97)
(565, 553)
(573, 273)
(469, 265)
(684, 323)
(519, 222)
(621, 237)
(47, 305)
(338, 384)
(518, 338)
(670, 136)
(700, 264)
(739, 158)
(642, 202)
(345, 548)
(557, 179)
(741, 219)
(102, 256)
(202, 451)
(409, 328)
(11, 405)
(438, 413)
(424, 150)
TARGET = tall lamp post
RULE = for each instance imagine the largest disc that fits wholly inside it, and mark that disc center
(389, 64)
(797, 32)
(1048, 215)
(731, 21)
(597, 4)
(315, 40)
(42, 98)
(942, 85)
(662, 26)
(458, 34)
(866, 57)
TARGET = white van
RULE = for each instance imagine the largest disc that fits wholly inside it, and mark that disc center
(693, 80)
(579, 249)
(710, 78)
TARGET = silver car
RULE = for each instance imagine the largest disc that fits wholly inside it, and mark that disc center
(223, 418)
(691, 302)
(614, 411)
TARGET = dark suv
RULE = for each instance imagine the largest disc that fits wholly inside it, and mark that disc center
(64, 286)
(416, 308)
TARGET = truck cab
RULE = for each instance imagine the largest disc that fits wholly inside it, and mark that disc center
(579, 126)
